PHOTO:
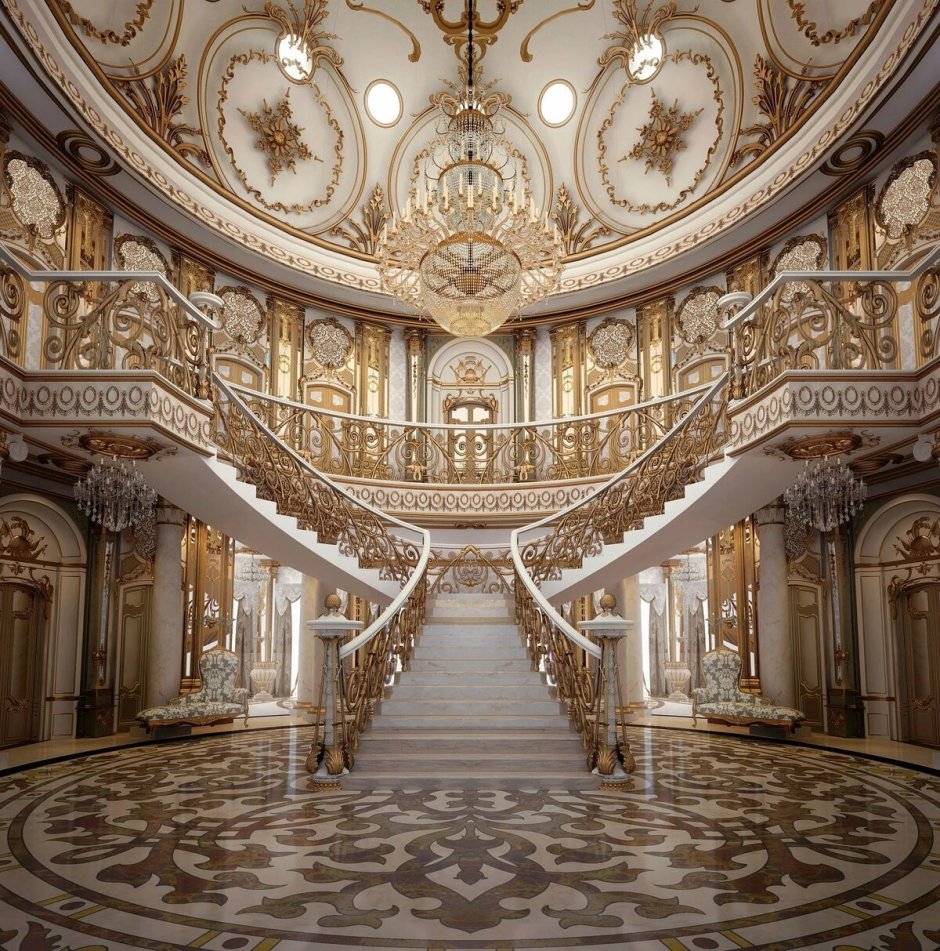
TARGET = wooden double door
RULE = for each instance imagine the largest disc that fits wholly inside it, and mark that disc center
(919, 700)
(22, 615)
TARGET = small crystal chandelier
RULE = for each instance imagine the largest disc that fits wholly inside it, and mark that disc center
(115, 495)
(825, 495)
(471, 249)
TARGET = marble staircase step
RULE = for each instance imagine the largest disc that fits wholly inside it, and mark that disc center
(545, 778)
(472, 666)
(508, 707)
(388, 722)
(469, 611)
(559, 738)
(530, 689)
(444, 677)
(448, 629)
(436, 650)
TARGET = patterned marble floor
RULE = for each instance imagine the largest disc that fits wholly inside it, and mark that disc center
(219, 844)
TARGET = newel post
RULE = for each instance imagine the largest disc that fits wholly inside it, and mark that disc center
(329, 756)
(614, 760)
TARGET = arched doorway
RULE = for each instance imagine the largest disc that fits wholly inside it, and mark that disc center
(897, 579)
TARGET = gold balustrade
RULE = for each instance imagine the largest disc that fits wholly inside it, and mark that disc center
(365, 665)
(573, 663)
(832, 320)
(109, 320)
(487, 454)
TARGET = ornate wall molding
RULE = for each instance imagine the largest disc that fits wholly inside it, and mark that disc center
(469, 506)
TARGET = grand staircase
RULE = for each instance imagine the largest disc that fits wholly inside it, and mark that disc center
(470, 709)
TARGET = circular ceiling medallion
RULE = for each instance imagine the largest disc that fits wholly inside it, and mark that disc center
(384, 104)
(819, 447)
(557, 102)
(854, 153)
(118, 445)
(83, 150)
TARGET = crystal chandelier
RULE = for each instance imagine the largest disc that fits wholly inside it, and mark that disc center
(471, 249)
(115, 495)
(825, 495)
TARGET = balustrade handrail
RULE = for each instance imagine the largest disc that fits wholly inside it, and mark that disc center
(410, 424)
(339, 492)
(786, 277)
(522, 573)
(118, 276)
(469, 453)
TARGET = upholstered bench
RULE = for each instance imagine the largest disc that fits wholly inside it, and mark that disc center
(219, 700)
(721, 700)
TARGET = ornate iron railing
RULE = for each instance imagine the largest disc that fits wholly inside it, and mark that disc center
(832, 320)
(355, 679)
(109, 320)
(366, 447)
(573, 663)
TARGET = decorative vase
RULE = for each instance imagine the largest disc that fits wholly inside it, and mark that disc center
(263, 675)
(678, 678)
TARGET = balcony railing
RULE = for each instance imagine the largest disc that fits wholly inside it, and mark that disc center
(483, 454)
(107, 320)
(835, 320)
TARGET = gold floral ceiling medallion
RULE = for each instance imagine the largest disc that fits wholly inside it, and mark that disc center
(485, 32)
(119, 445)
(821, 447)
(279, 136)
(661, 137)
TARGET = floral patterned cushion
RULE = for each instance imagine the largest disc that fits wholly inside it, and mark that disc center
(722, 697)
(219, 697)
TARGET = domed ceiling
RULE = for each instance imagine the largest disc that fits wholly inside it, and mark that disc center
(252, 116)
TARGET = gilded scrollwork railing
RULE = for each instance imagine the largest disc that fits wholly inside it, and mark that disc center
(109, 320)
(355, 678)
(834, 320)
(574, 663)
(483, 454)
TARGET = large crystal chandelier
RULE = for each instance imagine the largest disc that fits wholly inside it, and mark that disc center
(114, 495)
(825, 495)
(471, 248)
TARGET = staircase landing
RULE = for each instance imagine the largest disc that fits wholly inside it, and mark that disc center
(470, 713)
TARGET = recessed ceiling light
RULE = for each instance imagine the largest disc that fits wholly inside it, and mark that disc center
(556, 104)
(294, 58)
(383, 102)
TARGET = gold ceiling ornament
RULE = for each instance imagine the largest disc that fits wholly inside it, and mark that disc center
(697, 317)
(364, 236)
(575, 235)
(300, 46)
(158, 100)
(118, 445)
(137, 252)
(242, 315)
(131, 27)
(639, 47)
(823, 446)
(35, 198)
(279, 136)
(330, 343)
(471, 249)
(781, 99)
(611, 343)
(524, 53)
(470, 29)
(661, 137)
(360, 7)
(802, 253)
(831, 37)
(905, 198)
(922, 542)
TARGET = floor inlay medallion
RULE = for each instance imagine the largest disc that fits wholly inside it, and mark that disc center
(220, 844)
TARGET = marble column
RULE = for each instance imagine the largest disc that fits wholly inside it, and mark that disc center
(775, 646)
(164, 661)
(309, 656)
(631, 647)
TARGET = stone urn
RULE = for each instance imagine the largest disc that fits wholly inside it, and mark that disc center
(263, 675)
(678, 678)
